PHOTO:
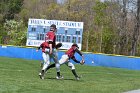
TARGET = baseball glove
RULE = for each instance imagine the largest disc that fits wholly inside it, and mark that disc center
(82, 62)
(58, 45)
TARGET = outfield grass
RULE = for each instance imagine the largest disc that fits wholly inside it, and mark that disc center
(21, 76)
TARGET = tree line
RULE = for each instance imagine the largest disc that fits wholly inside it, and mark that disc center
(112, 26)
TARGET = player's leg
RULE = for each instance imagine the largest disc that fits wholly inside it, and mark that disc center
(50, 66)
(63, 59)
(46, 59)
(57, 65)
(72, 67)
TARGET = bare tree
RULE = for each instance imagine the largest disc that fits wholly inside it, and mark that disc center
(136, 31)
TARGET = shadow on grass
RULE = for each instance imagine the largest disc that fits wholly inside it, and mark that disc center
(62, 79)
(66, 79)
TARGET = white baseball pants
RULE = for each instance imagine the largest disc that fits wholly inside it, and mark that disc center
(65, 60)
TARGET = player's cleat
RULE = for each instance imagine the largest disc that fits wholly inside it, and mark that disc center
(78, 78)
(41, 75)
(59, 77)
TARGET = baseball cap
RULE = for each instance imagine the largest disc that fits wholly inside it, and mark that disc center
(53, 25)
(75, 45)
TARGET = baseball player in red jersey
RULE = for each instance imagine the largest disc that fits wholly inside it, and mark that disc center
(46, 57)
(51, 37)
(65, 59)
(51, 51)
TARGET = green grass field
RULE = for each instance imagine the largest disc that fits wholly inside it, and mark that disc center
(21, 76)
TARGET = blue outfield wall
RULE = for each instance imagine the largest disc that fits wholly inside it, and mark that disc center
(90, 58)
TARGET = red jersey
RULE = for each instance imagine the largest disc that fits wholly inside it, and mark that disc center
(50, 36)
(71, 51)
(44, 45)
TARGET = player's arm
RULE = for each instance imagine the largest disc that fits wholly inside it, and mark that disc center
(50, 46)
(79, 52)
(75, 60)
(39, 47)
(81, 62)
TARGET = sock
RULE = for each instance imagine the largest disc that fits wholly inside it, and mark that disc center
(74, 73)
(50, 66)
(58, 74)
(42, 71)
(57, 65)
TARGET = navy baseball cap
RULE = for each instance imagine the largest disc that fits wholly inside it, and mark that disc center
(75, 45)
(53, 25)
